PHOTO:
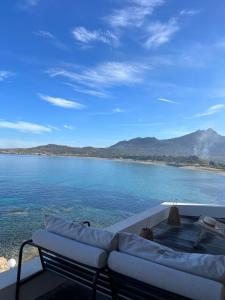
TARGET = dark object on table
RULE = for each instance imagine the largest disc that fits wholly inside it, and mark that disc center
(174, 217)
(147, 233)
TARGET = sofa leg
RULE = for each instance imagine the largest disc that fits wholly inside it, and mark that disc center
(114, 288)
(41, 259)
(94, 285)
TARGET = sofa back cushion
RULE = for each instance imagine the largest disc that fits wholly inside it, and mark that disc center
(59, 225)
(79, 252)
(205, 265)
(92, 236)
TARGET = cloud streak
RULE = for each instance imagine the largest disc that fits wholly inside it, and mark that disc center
(167, 100)
(104, 75)
(161, 33)
(51, 38)
(186, 12)
(65, 103)
(25, 127)
(134, 14)
(32, 2)
(118, 110)
(95, 93)
(70, 127)
(83, 35)
(211, 111)
(26, 4)
(5, 75)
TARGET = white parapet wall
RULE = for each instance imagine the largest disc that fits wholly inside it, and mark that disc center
(148, 218)
(38, 286)
(198, 209)
(157, 214)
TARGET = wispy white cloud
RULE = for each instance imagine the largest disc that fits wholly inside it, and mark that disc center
(32, 2)
(161, 33)
(45, 34)
(5, 75)
(211, 111)
(65, 103)
(96, 93)
(105, 75)
(25, 126)
(189, 12)
(193, 55)
(26, 4)
(51, 37)
(54, 128)
(167, 100)
(118, 110)
(83, 35)
(134, 13)
(70, 127)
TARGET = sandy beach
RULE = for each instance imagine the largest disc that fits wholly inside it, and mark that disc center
(128, 160)
(202, 168)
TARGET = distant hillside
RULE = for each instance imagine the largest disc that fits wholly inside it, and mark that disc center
(52, 149)
(204, 144)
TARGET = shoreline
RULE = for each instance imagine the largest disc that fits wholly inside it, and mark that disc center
(129, 160)
(187, 167)
(202, 168)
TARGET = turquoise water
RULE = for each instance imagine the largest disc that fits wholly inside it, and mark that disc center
(101, 191)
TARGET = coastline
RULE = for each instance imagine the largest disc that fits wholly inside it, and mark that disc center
(129, 160)
(202, 168)
(187, 167)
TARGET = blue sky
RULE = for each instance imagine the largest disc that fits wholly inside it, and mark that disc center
(96, 72)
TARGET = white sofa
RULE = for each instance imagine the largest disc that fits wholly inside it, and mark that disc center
(133, 259)
(72, 250)
(178, 282)
(195, 276)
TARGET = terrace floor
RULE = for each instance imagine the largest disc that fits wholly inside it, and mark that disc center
(182, 238)
(72, 291)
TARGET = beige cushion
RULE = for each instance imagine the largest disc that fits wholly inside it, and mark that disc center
(85, 254)
(178, 282)
(92, 236)
(205, 265)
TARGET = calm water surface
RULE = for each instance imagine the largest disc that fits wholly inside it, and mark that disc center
(101, 191)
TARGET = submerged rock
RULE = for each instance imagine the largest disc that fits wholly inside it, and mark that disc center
(3, 264)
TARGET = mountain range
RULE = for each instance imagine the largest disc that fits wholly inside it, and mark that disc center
(205, 144)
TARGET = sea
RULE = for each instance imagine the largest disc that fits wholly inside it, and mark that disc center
(98, 190)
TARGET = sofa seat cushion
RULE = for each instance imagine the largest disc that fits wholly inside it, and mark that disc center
(205, 265)
(178, 282)
(79, 252)
(92, 236)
